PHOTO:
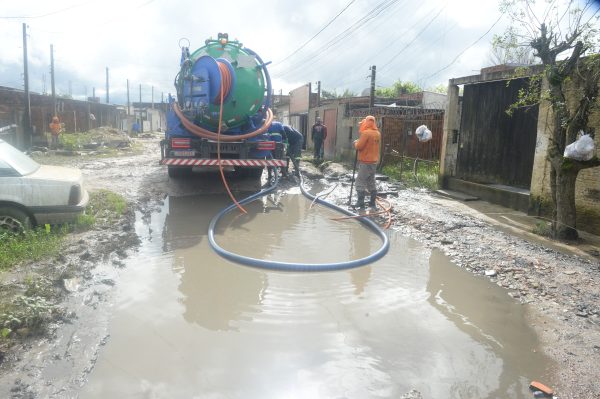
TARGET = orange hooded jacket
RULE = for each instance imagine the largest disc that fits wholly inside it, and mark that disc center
(55, 126)
(368, 142)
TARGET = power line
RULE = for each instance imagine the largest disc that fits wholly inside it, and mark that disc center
(462, 52)
(413, 40)
(317, 34)
(373, 13)
(50, 13)
(433, 44)
(326, 61)
(380, 50)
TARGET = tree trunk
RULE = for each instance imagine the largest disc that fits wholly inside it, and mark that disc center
(566, 215)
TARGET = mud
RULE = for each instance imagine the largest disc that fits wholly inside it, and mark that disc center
(377, 331)
(414, 325)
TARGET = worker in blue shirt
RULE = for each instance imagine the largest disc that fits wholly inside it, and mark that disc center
(295, 140)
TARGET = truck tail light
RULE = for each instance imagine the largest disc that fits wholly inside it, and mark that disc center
(266, 145)
(75, 195)
(180, 143)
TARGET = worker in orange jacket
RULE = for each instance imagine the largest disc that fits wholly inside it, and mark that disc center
(367, 146)
(55, 128)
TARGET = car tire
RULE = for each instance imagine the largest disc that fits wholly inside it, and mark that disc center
(14, 220)
(178, 172)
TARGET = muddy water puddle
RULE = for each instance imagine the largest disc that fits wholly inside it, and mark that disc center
(189, 324)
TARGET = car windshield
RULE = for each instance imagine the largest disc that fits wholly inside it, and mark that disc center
(17, 160)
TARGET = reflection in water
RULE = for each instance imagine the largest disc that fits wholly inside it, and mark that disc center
(205, 327)
(360, 276)
(295, 232)
(215, 293)
(484, 312)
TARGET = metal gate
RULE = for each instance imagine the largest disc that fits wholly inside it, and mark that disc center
(399, 135)
(493, 146)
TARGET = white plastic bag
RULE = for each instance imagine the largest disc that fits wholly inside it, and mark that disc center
(423, 134)
(581, 150)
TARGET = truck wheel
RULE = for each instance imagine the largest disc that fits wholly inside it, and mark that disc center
(14, 220)
(178, 173)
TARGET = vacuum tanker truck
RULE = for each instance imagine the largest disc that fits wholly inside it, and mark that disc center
(221, 114)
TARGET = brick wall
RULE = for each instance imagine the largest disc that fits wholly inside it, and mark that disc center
(587, 190)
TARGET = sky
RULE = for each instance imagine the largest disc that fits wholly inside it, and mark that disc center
(333, 41)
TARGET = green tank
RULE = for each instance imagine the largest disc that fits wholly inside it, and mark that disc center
(243, 74)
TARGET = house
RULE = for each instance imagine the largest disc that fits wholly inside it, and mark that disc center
(398, 119)
(502, 158)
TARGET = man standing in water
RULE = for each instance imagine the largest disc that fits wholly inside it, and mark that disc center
(367, 146)
(318, 135)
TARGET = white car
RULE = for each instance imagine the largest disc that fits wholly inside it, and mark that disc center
(32, 194)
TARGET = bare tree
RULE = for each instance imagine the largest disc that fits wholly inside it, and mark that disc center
(503, 55)
(566, 29)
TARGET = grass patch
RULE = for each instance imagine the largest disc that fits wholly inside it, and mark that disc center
(105, 201)
(78, 141)
(26, 315)
(46, 242)
(31, 245)
(425, 174)
(103, 208)
(542, 228)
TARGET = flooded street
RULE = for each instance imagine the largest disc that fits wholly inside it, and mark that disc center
(187, 323)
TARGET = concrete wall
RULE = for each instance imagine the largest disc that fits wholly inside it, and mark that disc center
(346, 129)
(449, 152)
(588, 182)
(433, 100)
(587, 191)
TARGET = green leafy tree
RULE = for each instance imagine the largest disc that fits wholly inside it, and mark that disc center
(330, 95)
(569, 85)
(397, 89)
(441, 88)
(501, 54)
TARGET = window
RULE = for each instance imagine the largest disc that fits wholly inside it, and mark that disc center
(16, 160)
(6, 170)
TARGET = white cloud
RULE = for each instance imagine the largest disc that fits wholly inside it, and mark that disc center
(138, 40)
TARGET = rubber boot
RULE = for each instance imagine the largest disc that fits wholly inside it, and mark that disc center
(372, 203)
(360, 200)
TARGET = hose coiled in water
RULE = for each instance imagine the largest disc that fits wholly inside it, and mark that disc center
(289, 266)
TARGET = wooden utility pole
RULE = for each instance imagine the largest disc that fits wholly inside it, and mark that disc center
(107, 86)
(140, 111)
(318, 93)
(52, 80)
(372, 91)
(27, 134)
(128, 113)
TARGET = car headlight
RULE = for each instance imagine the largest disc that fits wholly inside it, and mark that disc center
(75, 195)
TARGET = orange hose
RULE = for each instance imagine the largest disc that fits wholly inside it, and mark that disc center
(359, 216)
(225, 82)
(388, 211)
(240, 207)
(385, 210)
(207, 134)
